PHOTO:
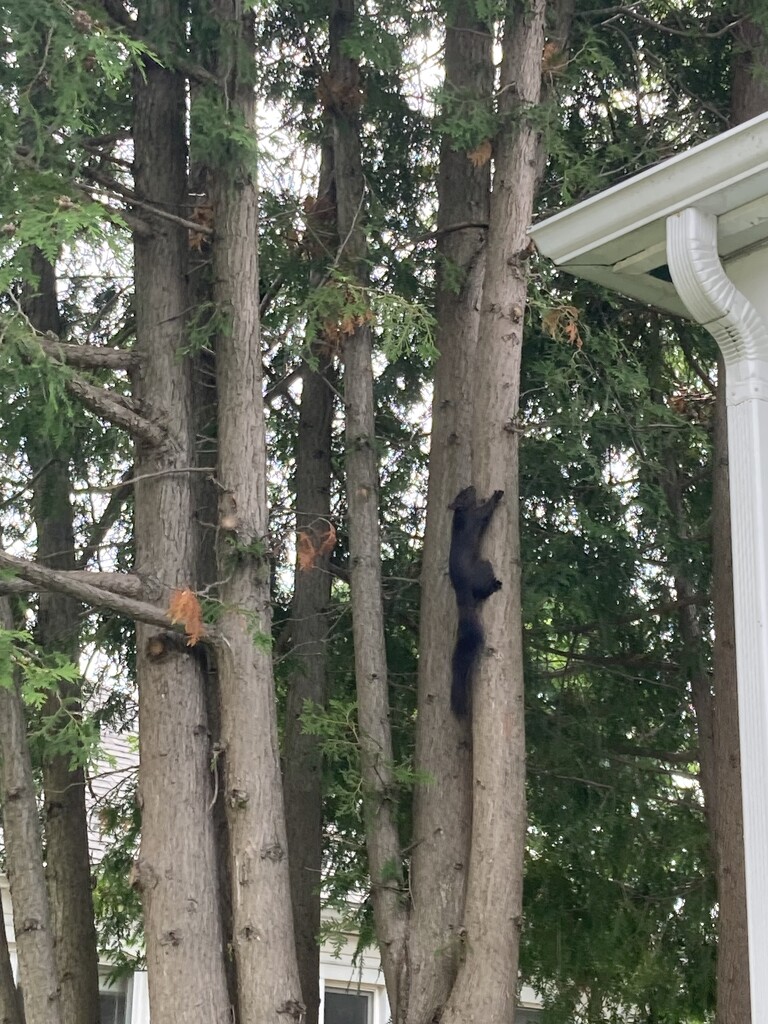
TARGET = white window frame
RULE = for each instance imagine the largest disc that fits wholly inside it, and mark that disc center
(123, 987)
(371, 992)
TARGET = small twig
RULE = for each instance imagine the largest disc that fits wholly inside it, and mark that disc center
(449, 229)
(116, 191)
(127, 481)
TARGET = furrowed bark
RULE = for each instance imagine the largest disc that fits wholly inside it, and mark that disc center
(302, 775)
(486, 985)
(749, 81)
(117, 410)
(24, 857)
(262, 922)
(303, 761)
(68, 869)
(383, 844)
(443, 806)
(178, 880)
(87, 357)
(206, 404)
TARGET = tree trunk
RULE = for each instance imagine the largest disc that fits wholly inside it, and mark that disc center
(303, 762)
(749, 74)
(749, 97)
(263, 941)
(178, 879)
(443, 805)
(715, 701)
(302, 776)
(733, 999)
(23, 854)
(206, 405)
(68, 869)
(383, 844)
(486, 986)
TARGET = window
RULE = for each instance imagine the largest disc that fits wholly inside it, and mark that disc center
(527, 1016)
(347, 1007)
(113, 1001)
(112, 1007)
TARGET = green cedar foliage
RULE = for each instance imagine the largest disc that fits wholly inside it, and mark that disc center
(619, 899)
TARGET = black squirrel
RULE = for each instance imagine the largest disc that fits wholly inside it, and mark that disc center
(474, 580)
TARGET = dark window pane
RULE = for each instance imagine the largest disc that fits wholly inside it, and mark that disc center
(346, 1007)
(112, 1007)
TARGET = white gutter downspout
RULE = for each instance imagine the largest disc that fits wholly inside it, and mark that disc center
(742, 334)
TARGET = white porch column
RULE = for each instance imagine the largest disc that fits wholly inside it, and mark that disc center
(742, 334)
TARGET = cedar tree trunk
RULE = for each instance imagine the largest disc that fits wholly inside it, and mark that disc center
(726, 819)
(176, 870)
(384, 855)
(23, 854)
(715, 701)
(443, 805)
(749, 97)
(486, 986)
(68, 869)
(262, 939)
(303, 762)
(302, 775)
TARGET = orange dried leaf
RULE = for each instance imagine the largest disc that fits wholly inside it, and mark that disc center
(481, 154)
(305, 550)
(314, 543)
(327, 541)
(185, 608)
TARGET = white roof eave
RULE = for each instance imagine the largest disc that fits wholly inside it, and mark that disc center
(719, 176)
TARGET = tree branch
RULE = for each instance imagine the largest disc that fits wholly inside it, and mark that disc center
(107, 520)
(119, 14)
(85, 587)
(122, 583)
(280, 389)
(115, 408)
(117, 191)
(89, 357)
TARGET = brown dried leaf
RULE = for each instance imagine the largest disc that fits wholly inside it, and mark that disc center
(184, 607)
(562, 324)
(313, 543)
(327, 541)
(305, 550)
(481, 154)
(553, 60)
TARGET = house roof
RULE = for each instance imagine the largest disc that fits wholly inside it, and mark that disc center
(115, 769)
(618, 238)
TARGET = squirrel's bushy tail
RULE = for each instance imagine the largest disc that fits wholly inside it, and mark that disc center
(468, 643)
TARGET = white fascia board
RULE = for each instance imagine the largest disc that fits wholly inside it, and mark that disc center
(721, 174)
